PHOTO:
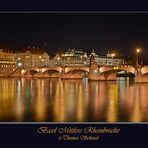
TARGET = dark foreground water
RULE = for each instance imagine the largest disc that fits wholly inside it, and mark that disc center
(58, 100)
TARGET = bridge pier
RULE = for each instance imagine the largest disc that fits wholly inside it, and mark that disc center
(95, 76)
(71, 76)
(101, 77)
(140, 78)
(27, 73)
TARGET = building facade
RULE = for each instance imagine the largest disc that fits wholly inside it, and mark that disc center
(108, 60)
(32, 57)
(75, 57)
(7, 61)
(35, 57)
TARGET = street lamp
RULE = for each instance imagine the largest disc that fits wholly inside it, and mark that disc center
(137, 51)
(19, 64)
(113, 55)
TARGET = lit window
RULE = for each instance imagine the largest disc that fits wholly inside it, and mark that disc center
(27, 57)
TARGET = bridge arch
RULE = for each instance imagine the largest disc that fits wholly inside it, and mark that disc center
(112, 74)
(144, 70)
(75, 71)
(127, 68)
(33, 71)
(55, 68)
(51, 71)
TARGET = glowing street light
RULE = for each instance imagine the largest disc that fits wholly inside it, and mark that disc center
(138, 51)
(19, 64)
(113, 55)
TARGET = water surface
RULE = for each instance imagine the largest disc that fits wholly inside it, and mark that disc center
(56, 100)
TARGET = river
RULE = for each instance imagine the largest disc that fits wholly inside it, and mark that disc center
(55, 100)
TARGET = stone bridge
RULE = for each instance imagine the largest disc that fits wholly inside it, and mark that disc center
(110, 72)
(97, 73)
(53, 71)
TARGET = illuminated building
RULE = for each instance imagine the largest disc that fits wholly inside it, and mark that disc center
(32, 57)
(36, 57)
(7, 60)
(75, 57)
(57, 60)
(109, 59)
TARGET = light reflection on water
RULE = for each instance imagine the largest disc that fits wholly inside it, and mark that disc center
(72, 100)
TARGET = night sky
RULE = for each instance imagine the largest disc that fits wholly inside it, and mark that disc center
(122, 32)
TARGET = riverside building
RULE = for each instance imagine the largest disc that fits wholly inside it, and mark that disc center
(7, 60)
(32, 57)
(109, 60)
(75, 57)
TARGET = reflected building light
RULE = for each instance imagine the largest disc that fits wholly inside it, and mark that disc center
(50, 88)
(33, 88)
(40, 102)
(71, 94)
(122, 89)
(85, 83)
(62, 104)
(23, 84)
(80, 105)
(136, 114)
(102, 102)
(144, 101)
(86, 90)
(59, 105)
(96, 103)
(111, 114)
(1, 90)
(19, 108)
(19, 86)
(7, 100)
(113, 105)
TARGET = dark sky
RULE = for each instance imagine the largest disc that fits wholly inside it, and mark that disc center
(122, 32)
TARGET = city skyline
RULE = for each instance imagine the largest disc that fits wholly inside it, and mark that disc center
(123, 32)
